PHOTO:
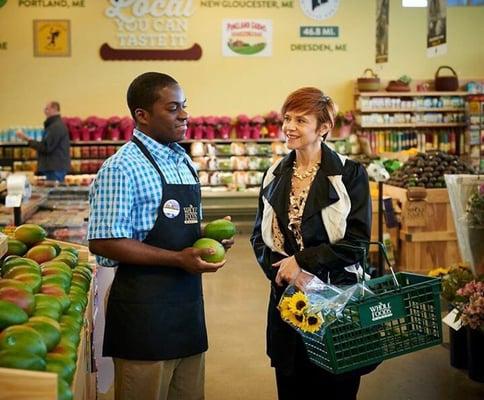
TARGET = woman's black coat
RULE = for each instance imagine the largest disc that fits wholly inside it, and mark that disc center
(319, 256)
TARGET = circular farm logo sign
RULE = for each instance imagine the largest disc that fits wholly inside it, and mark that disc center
(247, 37)
(319, 9)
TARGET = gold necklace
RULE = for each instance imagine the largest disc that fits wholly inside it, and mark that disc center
(306, 174)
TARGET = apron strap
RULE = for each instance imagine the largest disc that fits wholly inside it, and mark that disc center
(150, 158)
(148, 155)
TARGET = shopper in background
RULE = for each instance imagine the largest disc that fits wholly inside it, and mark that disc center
(311, 200)
(145, 216)
(54, 160)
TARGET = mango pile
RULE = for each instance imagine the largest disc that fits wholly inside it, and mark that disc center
(43, 296)
(213, 234)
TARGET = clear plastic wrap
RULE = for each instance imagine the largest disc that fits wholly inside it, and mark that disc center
(466, 194)
(314, 308)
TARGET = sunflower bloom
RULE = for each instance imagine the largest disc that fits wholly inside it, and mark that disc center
(312, 323)
(298, 303)
(297, 320)
(439, 272)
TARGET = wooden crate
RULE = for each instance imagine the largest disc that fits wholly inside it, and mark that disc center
(374, 229)
(427, 233)
(32, 385)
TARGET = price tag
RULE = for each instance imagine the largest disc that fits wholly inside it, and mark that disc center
(13, 200)
(449, 320)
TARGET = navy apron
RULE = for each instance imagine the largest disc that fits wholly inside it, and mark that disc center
(156, 313)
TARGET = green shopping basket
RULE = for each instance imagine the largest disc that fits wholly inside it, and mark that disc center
(404, 316)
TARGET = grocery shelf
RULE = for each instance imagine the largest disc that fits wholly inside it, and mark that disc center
(409, 94)
(417, 110)
(228, 141)
(436, 125)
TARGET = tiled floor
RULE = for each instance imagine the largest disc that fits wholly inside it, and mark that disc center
(237, 368)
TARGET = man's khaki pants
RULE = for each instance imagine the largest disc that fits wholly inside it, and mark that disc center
(179, 379)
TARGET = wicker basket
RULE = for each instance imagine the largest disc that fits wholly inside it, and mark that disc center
(446, 83)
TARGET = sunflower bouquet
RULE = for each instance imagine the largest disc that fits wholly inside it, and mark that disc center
(315, 308)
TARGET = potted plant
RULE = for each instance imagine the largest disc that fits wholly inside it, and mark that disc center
(343, 124)
(469, 301)
(453, 279)
(475, 226)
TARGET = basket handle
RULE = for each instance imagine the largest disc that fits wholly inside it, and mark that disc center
(371, 72)
(445, 66)
(362, 248)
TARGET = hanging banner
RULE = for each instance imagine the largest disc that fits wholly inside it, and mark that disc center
(382, 19)
(436, 28)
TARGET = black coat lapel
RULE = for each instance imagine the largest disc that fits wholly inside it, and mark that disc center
(277, 192)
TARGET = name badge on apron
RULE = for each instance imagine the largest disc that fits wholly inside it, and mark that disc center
(171, 208)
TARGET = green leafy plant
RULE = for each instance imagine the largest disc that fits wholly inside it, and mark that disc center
(475, 207)
(344, 119)
(455, 278)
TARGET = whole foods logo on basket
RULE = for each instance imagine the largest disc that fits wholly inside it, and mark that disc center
(319, 9)
(380, 311)
(247, 37)
(377, 312)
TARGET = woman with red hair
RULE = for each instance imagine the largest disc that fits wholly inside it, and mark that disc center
(310, 201)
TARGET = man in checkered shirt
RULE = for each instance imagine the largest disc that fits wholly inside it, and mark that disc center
(145, 215)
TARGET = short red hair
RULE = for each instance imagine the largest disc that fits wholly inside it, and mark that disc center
(311, 100)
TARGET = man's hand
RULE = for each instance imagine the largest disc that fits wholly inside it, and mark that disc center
(190, 259)
(228, 243)
(21, 135)
(288, 270)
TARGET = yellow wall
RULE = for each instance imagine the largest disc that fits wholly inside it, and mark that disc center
(86, 85)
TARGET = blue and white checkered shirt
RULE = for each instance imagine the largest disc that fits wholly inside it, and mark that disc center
(125, 196)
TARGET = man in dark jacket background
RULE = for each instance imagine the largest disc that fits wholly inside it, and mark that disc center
(54, 160)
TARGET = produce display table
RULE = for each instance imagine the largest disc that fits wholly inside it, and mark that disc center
(32, 385)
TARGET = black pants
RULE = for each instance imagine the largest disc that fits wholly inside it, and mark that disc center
(307, 379)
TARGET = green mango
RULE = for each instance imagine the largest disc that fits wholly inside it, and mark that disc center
(20, 269)
(67, 349)
(41, 253)
(13, 262)
(58, 293)
(32, 279)
(47, 312)
(71, 250)
(50, 243)
(23, 339)
(63, 281)
(62, 365)
(14, 283)
(75, 321)
(11, 314)
(16, 248)
(57, 264)
(71, 334)
(48, 328)
(21, 297)
(49, 301)
(64, 391)
(30, 234)
(14, 359)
